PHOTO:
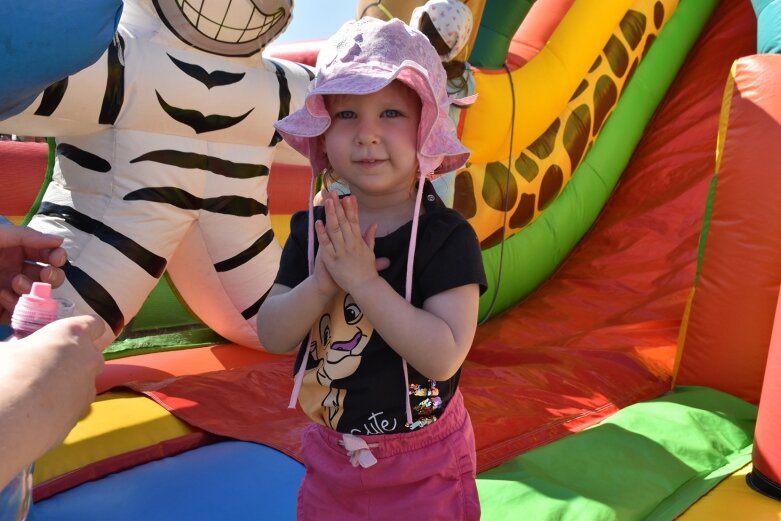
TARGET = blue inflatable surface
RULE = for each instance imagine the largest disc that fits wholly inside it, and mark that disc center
(232, 480)
(44, 41)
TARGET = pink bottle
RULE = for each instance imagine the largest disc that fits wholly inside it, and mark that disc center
(34, 310)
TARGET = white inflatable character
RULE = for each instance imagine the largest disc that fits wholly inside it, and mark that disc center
(163, 153)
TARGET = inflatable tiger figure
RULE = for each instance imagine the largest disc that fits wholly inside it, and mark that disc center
(163, 153)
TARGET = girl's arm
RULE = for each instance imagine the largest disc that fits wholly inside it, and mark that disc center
(287, 314)
(435, 339)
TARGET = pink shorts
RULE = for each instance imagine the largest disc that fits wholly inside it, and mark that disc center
(427, 474)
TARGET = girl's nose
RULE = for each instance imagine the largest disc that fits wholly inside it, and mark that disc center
(367, 134)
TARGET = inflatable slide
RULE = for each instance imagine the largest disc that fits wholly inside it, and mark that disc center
(612, 180)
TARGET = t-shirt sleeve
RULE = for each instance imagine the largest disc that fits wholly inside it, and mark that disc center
(293, 265)
(455, 260)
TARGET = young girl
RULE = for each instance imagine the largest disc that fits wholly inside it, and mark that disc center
(390, 298)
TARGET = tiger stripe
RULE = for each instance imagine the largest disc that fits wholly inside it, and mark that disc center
(228, 204)
(145, 259)
(215, 165)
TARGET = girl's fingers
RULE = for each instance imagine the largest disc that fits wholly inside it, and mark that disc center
(350, 209)
(322, 235)
(341, 220)
(331, 218)
(371, 233)
(350, 206)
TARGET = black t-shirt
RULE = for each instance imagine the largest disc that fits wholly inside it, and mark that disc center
(354, 381)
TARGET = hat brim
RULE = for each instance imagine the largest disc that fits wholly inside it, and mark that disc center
(439, 150)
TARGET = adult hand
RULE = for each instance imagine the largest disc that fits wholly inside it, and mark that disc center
(47, 382)
(27, 256)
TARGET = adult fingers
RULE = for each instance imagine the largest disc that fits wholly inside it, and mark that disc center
(88, 326)
(23, 282)
(93, 326)
(11, 236)
(8, 301)
(57, 257)
(52, 275)
(45, 268)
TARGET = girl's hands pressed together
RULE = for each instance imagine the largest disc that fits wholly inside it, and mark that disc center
(347, 254)
(323, 281)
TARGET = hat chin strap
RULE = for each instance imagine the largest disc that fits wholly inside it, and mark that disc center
(310, 255)
(413, 242)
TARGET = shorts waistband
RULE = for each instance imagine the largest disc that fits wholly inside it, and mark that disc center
(387, 445)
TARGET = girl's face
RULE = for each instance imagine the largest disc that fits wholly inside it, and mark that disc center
(372, 140)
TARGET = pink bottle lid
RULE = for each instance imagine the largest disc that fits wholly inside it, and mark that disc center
(35, 309)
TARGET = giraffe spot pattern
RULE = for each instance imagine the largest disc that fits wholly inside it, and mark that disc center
(527, 167)
(632, 69)
(524, 214)
(552, 182)
(633, 28)
(492, 240)
(576, 133)
(543, 145)
(538, 174)
(650, 39)
(658, 15)
(500, 189)
(464, 194)
(605, 95)
(596, 64)
(580, 90)
(616, 56)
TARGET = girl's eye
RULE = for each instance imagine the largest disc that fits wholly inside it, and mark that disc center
(345, 114)
(391, 113)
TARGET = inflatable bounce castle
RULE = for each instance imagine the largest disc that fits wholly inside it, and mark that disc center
(622, 183)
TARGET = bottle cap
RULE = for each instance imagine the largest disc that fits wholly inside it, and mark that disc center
(35, 309)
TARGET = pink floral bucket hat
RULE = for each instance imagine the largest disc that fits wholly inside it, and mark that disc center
(363, 57)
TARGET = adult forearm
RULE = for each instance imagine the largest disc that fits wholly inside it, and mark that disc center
(23, 429)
